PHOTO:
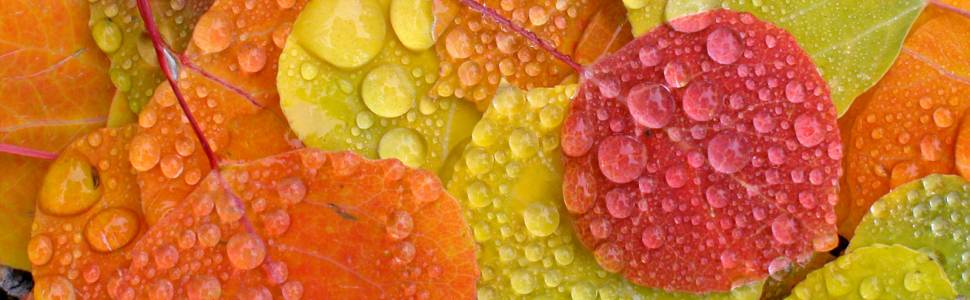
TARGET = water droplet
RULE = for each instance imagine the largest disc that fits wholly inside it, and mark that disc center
(404, 253)
(579, 190)
(161, 289)
(251, 58)
(651, 105)
(700, 101)
(292, 290)
(836, 284)
(610, 257)
(692, 23)
(728, 153)
(166, 256)
(276, 272)
(171, 166)
(107, 35)
(652, 237)
(144, 152)
(716, 196)
(795, 92)
(523, 143)
(621, 158)
(292, 190)
(779, 267)
(540, 219)
(676, 176)
(469, 73)
(111, 229)
(354, 35)
(619, 203)
(723, 46)
(71, 186)
(522, 282)
(213, 32)
(245, 251)
(808, 130)
(185, 146)
(676, 75)
(913, 281)
(783, 229)
(869, 288)
(729, 259)
(577, 134)
(54, 287)
(931, 149)
(276, 222)
(943, 117)
(388, 91)
(40, 249)
(404, 144)
(650, 56)
(399, 225)
(309, 71)
(807, 199)
(209, 235)
(458, 44)
(825, 242)
(204, 287)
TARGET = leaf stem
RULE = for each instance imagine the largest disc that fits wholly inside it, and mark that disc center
(165, 59)
(184, 59)
(495, 16)
(948, 7)
(27, 152)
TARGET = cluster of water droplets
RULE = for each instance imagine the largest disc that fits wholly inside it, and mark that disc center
(119, 32)
(477, 53)
(929, 215)
(711, 134)
(88, 212)
(367, 90)
(877, 272)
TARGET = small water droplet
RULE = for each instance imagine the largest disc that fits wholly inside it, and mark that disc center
(245, 251)
(723, 46)
(728, 153)
(621, 158)
(808, 130)
(399, 225)
(203, 287)
(783, 229)
(540, 219)
(651, 105)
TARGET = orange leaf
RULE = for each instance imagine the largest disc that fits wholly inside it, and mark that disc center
(476, 52)
(311, 225)
(55, 87)
(80, 235)
(607, 32)
(906, 126)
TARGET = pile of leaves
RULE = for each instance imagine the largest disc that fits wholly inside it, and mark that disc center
(460, 149)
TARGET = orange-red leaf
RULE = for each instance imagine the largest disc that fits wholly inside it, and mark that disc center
(55, 87)
(317, 225)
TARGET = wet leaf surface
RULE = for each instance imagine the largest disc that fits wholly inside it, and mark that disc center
(698, 161)
(55, 88)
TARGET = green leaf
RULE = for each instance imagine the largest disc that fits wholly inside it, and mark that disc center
(853, 45)
(929, 215)
(509, 183)
(877, 272)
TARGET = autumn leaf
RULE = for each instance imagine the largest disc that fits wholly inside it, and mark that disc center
(88, 215)
(695, 161)
(928, 215)
(907, 125)
(608, 31)
(511, 194)
(877, 271)
(368, 91)
(55, 88)
(119, 33)
(307, 224)
(227, 79)
(477, 52)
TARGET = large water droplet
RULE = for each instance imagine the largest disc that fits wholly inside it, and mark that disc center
(723, 46)
(111, 229)
(728, 153)
(251, 58)
(166, 256)
(621, 158)
(809, 130)
(213, 32)
(40, 249)
(701, 101)
(540, 219)
(203, 287)
(245, 251)
(676, 75)
(71, 186)
(404, 144)
(783, 229)
(354, 35)
(619, 203)
(652, 237)
(292, 190)
(144, 152)
(399, 225)
(577, 134)
(388, 91)
(651, 105)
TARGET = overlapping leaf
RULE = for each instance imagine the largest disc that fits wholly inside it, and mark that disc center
(907, 125)
(697, 161)
(55, 88)
(877, 272)
(119, 32)
(930, 215)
